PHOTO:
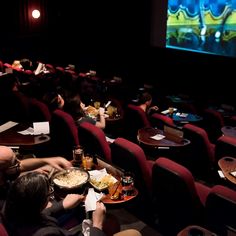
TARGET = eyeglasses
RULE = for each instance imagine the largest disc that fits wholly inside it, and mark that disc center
(15, 168)
(50, 192)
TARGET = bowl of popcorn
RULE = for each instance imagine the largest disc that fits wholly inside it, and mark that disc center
(72, 180)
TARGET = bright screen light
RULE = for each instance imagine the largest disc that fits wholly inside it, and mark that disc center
(207, 26)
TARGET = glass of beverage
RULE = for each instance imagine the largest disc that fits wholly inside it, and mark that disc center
(115, 190)
(127, 181)
(78, 154)
(87, 162)
(97, 104)
(110, 110)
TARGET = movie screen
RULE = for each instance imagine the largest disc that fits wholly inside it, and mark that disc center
(207, 26)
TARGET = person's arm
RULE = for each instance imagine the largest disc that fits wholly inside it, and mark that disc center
(72, 201)
(102, 122)
(152, 110)
(58, 163)
(99, 215)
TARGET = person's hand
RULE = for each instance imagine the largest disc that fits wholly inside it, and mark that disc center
(72, 200)
(101, 111)
(44, 169)
(99, 215)
(154, 108)
(58, 163)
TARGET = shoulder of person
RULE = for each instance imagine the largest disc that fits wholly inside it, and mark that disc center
(51, 230)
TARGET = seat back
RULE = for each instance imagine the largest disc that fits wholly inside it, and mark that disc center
(131, 157)
(201, 155)
(3, 231)
(159, 120)
(213, 121)
(225, 146)
(39, 111)
(14, 106)
(64, 134)
(177, 203)
(220, 209)
(93, 140)
(134, 118)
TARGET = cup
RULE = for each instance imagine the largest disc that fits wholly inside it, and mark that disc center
(115, 191)
(171, 111)
(127, 181)
(87, 162)
(78, 154)
(110, 110)
(97, 104)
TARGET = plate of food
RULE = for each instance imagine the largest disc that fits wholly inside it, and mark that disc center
(91, 111)
(101, 180)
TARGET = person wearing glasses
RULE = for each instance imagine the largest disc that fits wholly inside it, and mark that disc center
(26, 210)
(11, 167)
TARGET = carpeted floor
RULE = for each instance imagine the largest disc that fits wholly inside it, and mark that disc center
(129, 221)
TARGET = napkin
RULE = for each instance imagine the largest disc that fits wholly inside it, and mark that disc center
(158, 137)
(91, 199)
(7, 126)
(39, 128)
(183, 115)
(86, 224)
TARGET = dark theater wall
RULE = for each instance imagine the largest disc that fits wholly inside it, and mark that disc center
(112, 37)
(72, 30)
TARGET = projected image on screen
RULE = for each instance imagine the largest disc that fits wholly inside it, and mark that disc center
(202, 25)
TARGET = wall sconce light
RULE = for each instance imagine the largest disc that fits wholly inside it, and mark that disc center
(36, 14)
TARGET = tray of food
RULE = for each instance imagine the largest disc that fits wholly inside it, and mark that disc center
(101, 180)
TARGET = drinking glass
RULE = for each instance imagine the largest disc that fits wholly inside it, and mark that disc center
(78, 154)
(97, 104)
(87, 162)
(127, 181)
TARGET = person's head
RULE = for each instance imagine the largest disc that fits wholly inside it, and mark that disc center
(27, 197)
(16, 64)
(9, 164)
(145, 98)
(54, 100)
(26, 63)
(7, 158)
(75, 107)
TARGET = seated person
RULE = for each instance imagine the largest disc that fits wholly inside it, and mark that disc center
(11, 167)
(145, 101)
(17, 65)
(76, 108)
(54, 101)
(26, 211)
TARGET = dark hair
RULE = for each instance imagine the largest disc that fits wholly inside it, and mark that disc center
(144, 97)
(26, 63)
(51, 99)
(26, 199)
(73, 107)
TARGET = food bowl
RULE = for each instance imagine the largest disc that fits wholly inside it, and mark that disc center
(72, 180)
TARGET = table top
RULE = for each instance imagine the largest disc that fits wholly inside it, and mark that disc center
(145, 134)
(179, 99)
(117, 173)
(11, 137)
(123, 199)
(195, 230)
(186, 117)
(227, 165)
(229, 131)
